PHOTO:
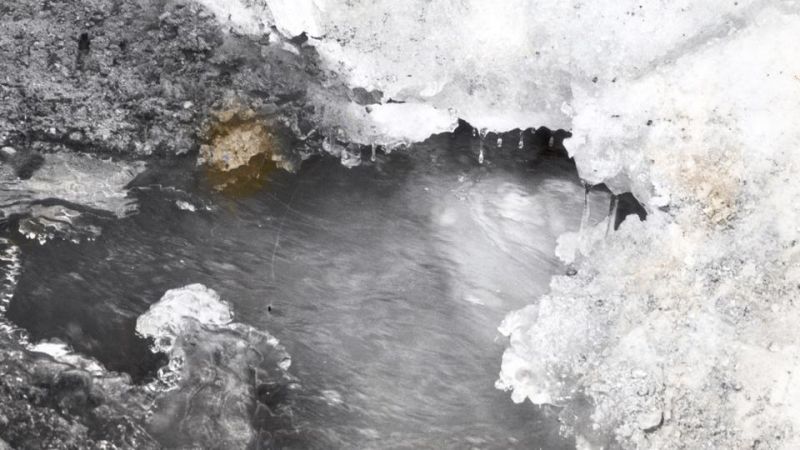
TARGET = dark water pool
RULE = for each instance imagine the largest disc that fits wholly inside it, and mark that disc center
(384, 282)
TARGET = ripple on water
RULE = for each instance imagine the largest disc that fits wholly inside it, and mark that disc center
(385, 282)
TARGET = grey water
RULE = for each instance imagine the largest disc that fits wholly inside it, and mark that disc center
(385, 283)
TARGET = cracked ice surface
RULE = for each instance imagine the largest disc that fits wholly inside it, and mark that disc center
(679, 331)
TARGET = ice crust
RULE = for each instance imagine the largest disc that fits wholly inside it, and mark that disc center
(72, 179)
(679, 332)
(215, 364)
(81, 179)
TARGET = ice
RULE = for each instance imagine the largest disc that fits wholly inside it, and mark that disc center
(62, 353)
(514, 66)
(244, 16)
(49, 222)
(75, 178)
(677, 329)
(215, 364)
(679, 332)
(185, 206)
(165, 320)
(10, 269)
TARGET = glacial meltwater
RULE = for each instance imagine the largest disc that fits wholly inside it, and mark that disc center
(385, 283)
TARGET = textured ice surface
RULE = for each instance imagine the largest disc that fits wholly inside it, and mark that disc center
(678, 329)
(92, 183)
(70, 177)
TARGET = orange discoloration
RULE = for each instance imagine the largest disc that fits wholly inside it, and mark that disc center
(242, 149)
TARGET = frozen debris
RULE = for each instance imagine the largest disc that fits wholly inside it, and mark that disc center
(237, 136)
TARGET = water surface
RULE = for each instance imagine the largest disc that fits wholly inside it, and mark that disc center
(384, 282)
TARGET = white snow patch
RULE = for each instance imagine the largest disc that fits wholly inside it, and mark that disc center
(166, 319)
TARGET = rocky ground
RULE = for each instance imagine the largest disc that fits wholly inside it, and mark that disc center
(47, 404)
(139, 78)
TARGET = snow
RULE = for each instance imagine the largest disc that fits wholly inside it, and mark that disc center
(685, 316)
(501, 68)
(62, 353)
(166, 319)
(680, 331)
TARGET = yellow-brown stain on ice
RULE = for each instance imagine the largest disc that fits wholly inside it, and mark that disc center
(241, 151)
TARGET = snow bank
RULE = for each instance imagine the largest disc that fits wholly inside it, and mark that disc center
(515, 66)
(76, 178)
(679, 330)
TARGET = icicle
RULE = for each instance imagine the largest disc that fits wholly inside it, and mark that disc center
(612, 214)
(329, 143)
(584, 220)
(587, 188)
(482, 133)
(372, 158)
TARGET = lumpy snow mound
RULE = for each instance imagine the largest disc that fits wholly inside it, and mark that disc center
(167, 319)
(675, 332)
